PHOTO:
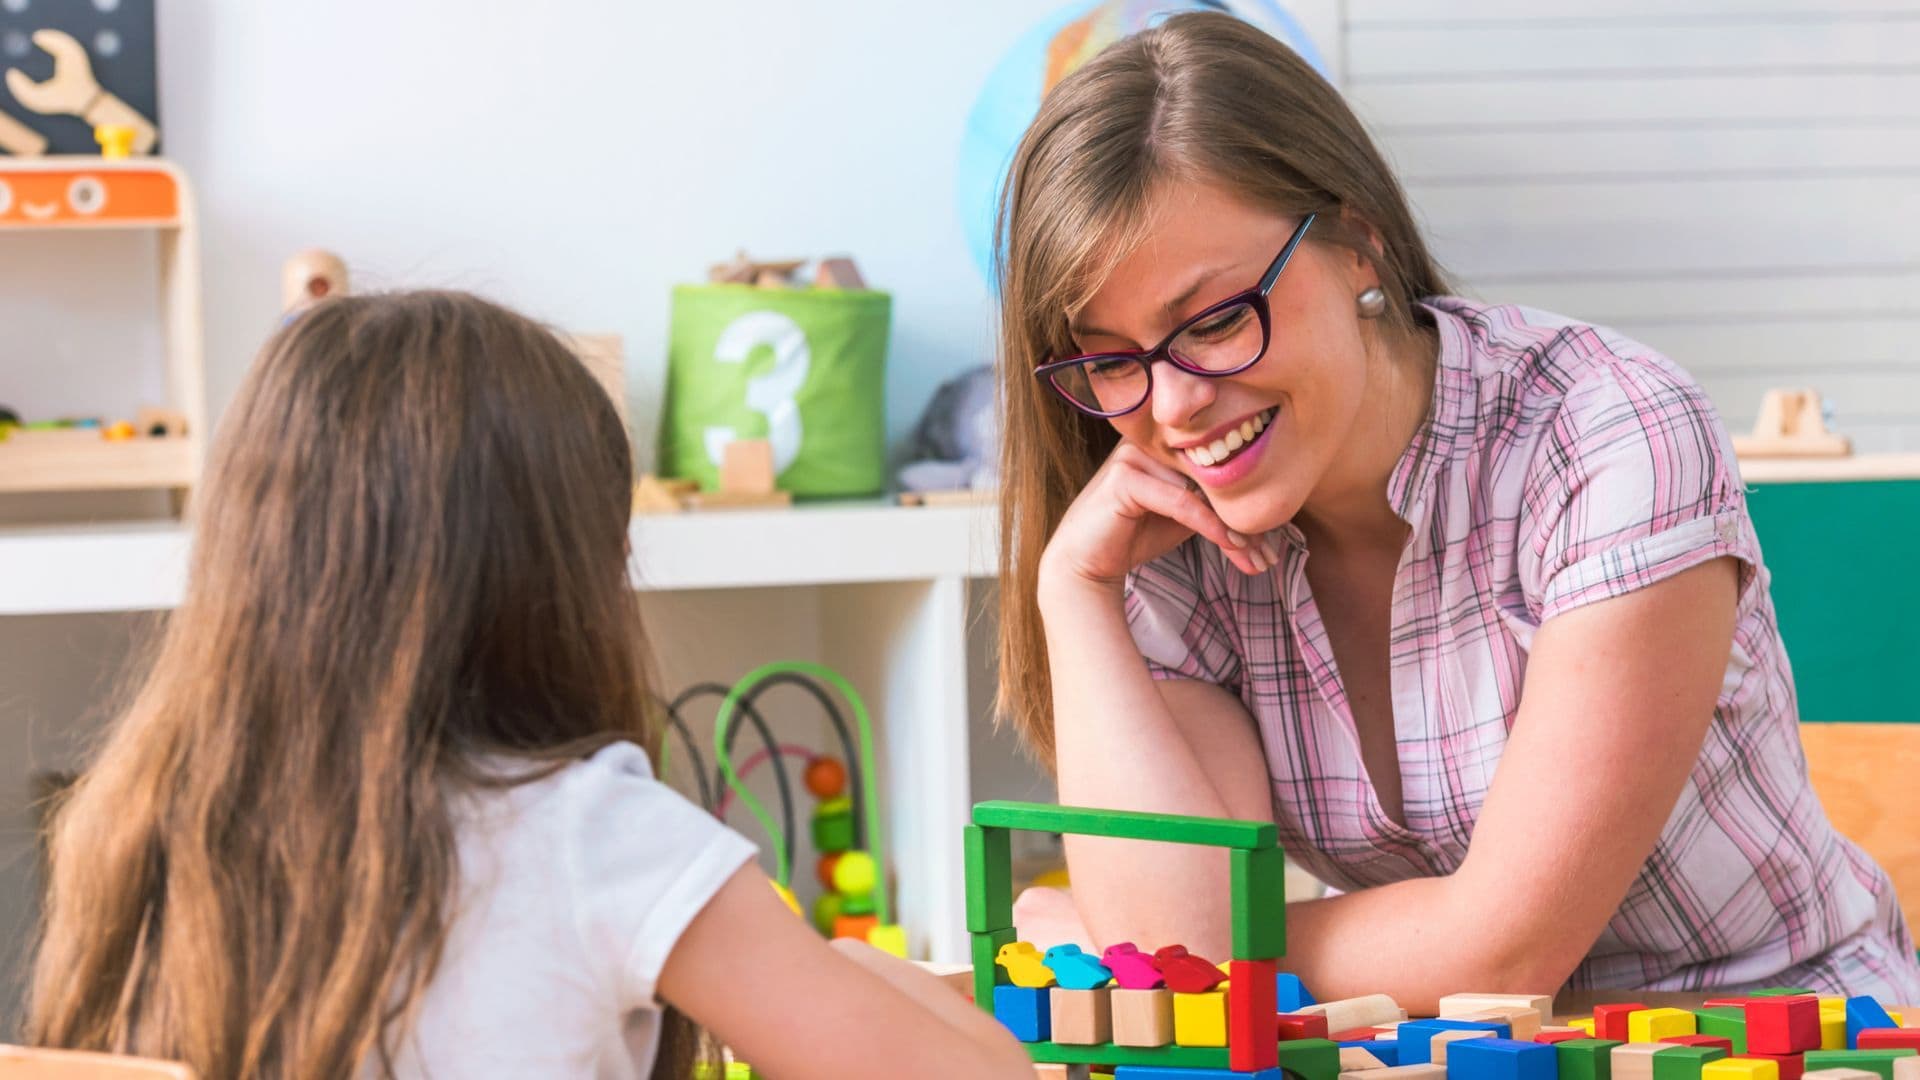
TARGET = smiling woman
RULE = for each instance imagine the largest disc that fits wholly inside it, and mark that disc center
(1463, 597)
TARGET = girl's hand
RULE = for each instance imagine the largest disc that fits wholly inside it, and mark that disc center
(1134, 510)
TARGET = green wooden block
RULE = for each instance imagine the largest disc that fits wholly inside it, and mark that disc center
(1177, 1057)
(1311, 1059)
(1259, 903)
(1126, 824)
(989, 855)
(986, 973)
(1725, 1021)
(1783, 991)
(1684, 1062)
(1879, 1061)
(1586, 1059)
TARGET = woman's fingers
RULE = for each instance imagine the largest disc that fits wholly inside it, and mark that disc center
(1143, 494)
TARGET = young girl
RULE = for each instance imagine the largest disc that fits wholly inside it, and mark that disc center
(383, 805)
(1463, 597)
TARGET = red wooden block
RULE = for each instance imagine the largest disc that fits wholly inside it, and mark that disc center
(1702, 1040)
(1610, 1021)
(1253, 1017)
(1728, 1002)
(1304, 1026)
(1551, 1037)
(1889, 1039)
(1353, 1035)
(1791, 1065)
(1783, 1025)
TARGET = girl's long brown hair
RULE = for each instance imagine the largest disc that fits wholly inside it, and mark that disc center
(410, 551)
(1202, 97)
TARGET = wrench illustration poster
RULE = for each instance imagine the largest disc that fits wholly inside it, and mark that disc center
(803, 369)
(117, 39)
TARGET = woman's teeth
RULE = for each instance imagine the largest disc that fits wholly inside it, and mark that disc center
(1219, 450)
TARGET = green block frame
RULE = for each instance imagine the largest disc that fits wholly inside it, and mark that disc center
(1257, 882)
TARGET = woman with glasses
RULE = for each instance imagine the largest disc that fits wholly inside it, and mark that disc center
(1463, 597)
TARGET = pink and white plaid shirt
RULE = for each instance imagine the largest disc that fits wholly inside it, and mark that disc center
(1560, 464)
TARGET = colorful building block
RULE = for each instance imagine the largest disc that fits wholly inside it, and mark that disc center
(1864, 1013)
(1876, 1061)
(1258, 880)
(1584, 1023)
(1358, 1059)
(1833, 1025)
(1363, 1034)
(1463, 1006)
(1170, 1072)
(1052, 1071)
(1025, 1012)
(1253, 1023)
(1657, 1025)
(1416, 1036)
(1888, 1039)
(1610, 1021)
(1684, 1062)
(989, 858)
(1724, 1044)
(1388, 1050)
(1553, 1036)
(1732, 1068)
(1634, 1061)
(1789, 1065)
(1906, 1068)
(1443, 1041)
(1524, 1022)
(1142, 1017)
(1306, 1026)
(1200, 1019)
(1312, 1059)
(1371, 1010)
(1289, 993)
(1081, 1017)
(1501, 1059)
(1728, 1022)
(1781, 991)
(1783, 1025)
(1428, 1071)
(1839, 1074)
(1586, 1059)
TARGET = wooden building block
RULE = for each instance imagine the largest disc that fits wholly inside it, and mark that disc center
(838, 272)
(1371, 1010)
(1586, 1059)
(1461, 1006)
(1789, 1065)
(1046, 1071)
(1633, 1061)
(746, 467)
(1610, 1021)
(1555, 1035)
(1522, 1022)
(653, 495)
(1906, 1068)
(1312, 1026)
(1684, 1062)
(1441, 1039)
(989, 860)
(1655, 1025)
(1355, 1059)
(1876, 1061)
(1839, 1074)
(1399, 1072)
(1783, 1025)
(1733, 1068)
(1501, 1059)
(1309, 1059)
(1721, 1042)
(1127, 825)
(1082, 1017)
(1728, 1023)
(1200, 1019)
(1253, 1022)
(1142, 1017)
(1024, 1010)
(1258, 890)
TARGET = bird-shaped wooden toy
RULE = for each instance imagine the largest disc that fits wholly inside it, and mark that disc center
(1076, 969)
(1023, 965)
(1186, 973)
(1132, 969)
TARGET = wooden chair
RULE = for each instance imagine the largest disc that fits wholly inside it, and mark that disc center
(1864, 774)
(32, 1063)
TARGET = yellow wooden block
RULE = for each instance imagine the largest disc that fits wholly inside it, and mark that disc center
(1740, 1069)
(1200, 1019)
(1584, 1023)
(1653, 1025)
(1898, 1019)
(1833, 1030)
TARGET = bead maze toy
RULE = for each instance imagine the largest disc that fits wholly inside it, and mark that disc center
(1170, 1015)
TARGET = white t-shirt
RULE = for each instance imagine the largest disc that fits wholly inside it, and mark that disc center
(573, 889)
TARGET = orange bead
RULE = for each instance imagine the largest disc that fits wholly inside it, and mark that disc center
(824, 868)
(826, 777)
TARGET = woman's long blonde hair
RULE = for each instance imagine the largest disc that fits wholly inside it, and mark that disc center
(410, 551)
(1201, 98)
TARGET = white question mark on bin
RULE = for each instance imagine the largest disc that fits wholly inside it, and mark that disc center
(773, 393)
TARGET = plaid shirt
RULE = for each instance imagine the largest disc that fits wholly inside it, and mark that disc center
(1559, 464)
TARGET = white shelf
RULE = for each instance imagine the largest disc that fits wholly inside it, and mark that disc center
(142, 567)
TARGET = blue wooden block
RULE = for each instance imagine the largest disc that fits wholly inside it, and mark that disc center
(1170, 1073)
(1025, 1010)
(1865, 1014)
(1416, 1036)
(1387, 1050)
(1290, 993)
(1501, 1059)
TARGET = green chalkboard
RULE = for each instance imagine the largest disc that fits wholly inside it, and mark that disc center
(1842, 555)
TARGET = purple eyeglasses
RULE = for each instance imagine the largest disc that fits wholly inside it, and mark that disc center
(1227, 338)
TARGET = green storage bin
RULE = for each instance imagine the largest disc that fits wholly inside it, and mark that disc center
(804, 369)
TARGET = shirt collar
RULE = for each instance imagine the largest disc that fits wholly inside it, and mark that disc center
(1441, 436)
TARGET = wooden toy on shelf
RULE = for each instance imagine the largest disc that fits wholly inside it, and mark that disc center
(66, 194)
(73, 91)
(1792, 423)
(746, 480)
(309, 277)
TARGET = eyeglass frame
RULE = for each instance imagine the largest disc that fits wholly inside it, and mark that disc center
(1255, 298)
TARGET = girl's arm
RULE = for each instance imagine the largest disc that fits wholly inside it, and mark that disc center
(764, 983)
(1617, 701)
